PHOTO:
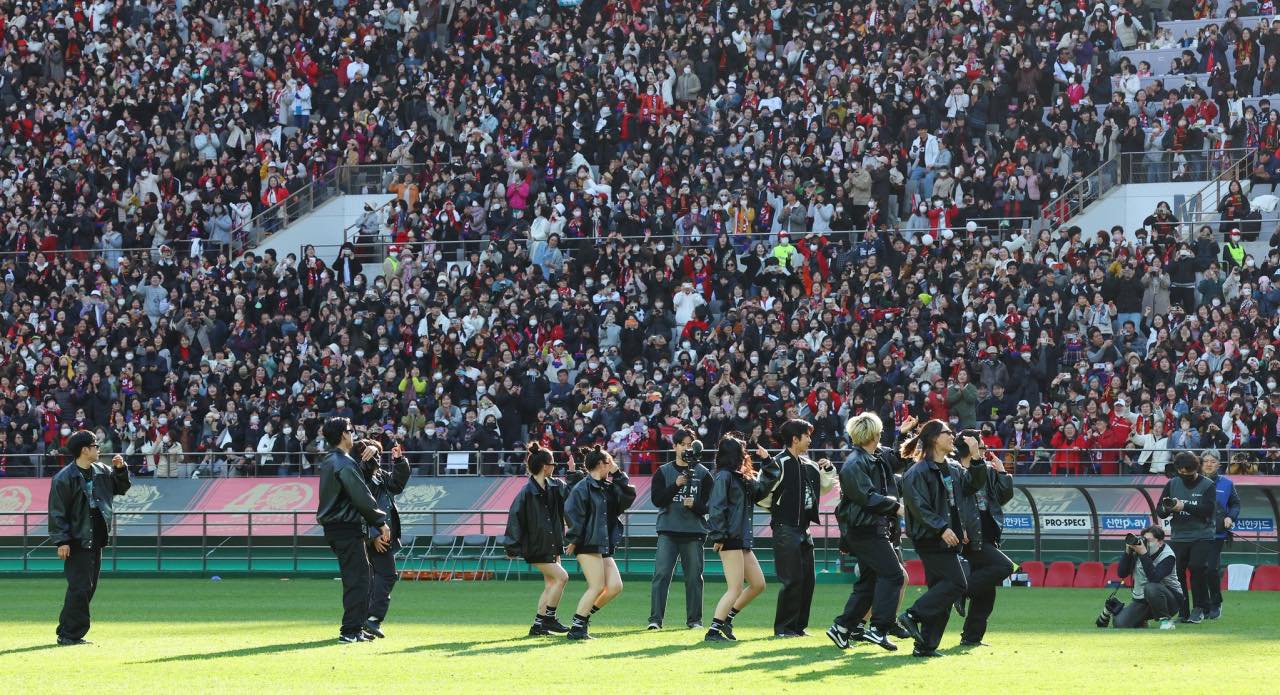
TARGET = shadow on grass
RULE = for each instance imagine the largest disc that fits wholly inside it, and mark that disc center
(836, 663)
(32, 648)
(247, 651)
(462, 647)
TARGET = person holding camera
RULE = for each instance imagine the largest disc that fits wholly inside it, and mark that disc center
(535, 531)
(593, 513)
(680, 490)
(868, 514)
(346, 509)
(933, 522)
(791, 484)
(982, 514)
(1191, 500)
(1226, 513)
(384, 485)
(1157, 593)
(80, 510)
(729, 519)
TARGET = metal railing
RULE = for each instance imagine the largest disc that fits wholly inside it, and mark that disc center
(1233, 165)
(496, 462)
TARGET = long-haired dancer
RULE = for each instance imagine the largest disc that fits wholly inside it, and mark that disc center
(867, 514)
(384, 485)
(593, 513)
(983, 517)
(933, 523)
(733, 493)
(535, 532)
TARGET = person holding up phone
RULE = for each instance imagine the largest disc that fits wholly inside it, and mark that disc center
(935, 528)
(384, 485)
(982, 514)
(733, 493)
(593, 513)
(535, 532)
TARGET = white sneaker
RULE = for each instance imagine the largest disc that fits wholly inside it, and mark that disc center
(1167, 624)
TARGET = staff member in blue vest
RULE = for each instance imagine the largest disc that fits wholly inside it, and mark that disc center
(791, 485)
(346, 509)
(80, 499)
(1228, 510)
(385, 485)
(680, 490)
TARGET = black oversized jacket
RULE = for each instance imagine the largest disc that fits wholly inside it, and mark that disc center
(731, 507)
(535, 524)
(594, 508)
(928, 500)
(384, 485)
(70, 521)
(799, 489)
(346, 504)
(998, 490)
(868, 496)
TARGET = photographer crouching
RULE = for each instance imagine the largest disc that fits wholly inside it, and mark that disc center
(1157, 593)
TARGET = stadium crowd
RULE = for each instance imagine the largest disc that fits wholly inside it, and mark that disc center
(617, 217)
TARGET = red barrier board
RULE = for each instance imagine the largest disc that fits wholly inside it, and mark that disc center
(229, 500)
(23, 495)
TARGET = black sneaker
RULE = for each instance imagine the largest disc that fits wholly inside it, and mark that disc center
(1214, 613)
(356, 637)
(374, 628)
(898, 631)
(876, 637)
(909, 623)
(538, 630)
(838, 636)
(695, 625)
(70, 642)
(654, 626)
(554, 626)
(786, 634)
(714, 635)
(727, 631)
(855, 635)
(579, 633)
(960, 606)
(973, 643)
(926, 653)
(1196, 616)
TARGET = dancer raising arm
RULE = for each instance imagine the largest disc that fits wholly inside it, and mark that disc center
(593, 513)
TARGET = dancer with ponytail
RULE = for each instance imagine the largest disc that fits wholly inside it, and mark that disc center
(733, 493)
(934, 525)
(535, 532)
(593, 513)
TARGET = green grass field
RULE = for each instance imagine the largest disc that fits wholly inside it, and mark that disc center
(273, 636)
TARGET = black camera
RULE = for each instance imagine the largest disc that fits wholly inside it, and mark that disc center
(1166, 506)
(1110, 609)
(693, 455)
(1132, 539)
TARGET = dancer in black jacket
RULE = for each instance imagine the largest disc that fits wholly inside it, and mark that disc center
(935, 528)
(791, 485)
(535, 532)
(593, 513)
(384, 485)
(80, 510)
(983, 517)
(733, 493)
(868, 515)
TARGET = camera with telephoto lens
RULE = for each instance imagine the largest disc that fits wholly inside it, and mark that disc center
(692, 455)
(1110, 609)
(1166, 505)
(1132, 539)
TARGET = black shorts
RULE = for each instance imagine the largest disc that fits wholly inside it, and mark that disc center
(735, 544)
(600, 550)
(540, 559)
